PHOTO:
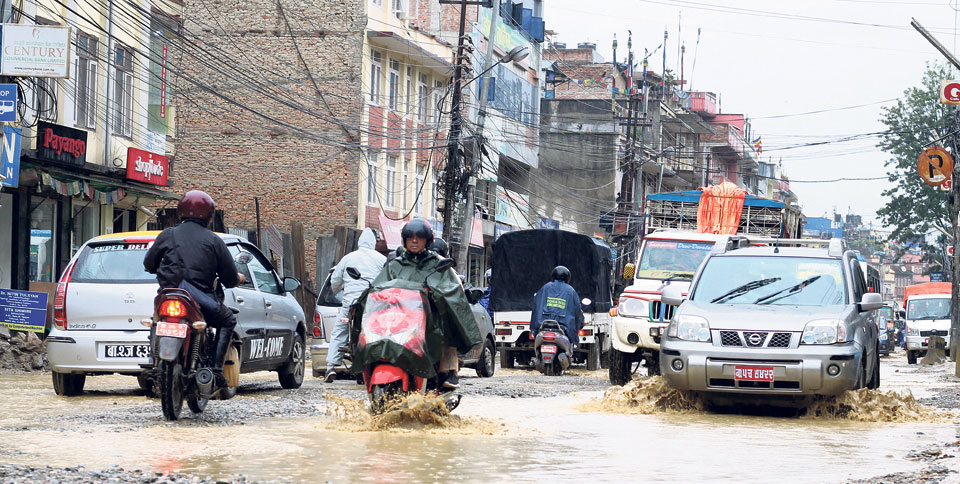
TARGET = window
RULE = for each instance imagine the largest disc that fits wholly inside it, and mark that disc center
(771, 280)
(437, 94)
(158, 90)
(420, 193)
(398, 8)
(406, 182)
(46, 94)
(262, 272)
(123, 116)
(408, 92)
(393, 94)
(372, 177)
(391, 181)
(378, 3)
(376, 71)
(86, 95)
(422, 99)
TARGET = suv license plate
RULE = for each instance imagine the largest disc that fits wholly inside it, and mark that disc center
(126, 351)
(753, 373)
(175, 330)
(548, 349)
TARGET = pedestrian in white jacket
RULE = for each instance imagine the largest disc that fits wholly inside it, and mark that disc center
(369, 262)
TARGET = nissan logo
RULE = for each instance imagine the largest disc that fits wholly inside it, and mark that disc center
(755, 339)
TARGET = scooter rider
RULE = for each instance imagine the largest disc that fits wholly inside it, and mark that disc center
(190, 256)
(557, 300)
(417, 263)
(369, 262)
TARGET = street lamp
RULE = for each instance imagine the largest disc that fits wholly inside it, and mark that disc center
(516, 54)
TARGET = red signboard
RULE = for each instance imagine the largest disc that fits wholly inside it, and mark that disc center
(147, 167)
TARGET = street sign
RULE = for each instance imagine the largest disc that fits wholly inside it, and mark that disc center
(10, 156)
(936, 277)
(950, 250)
(950, 92)
(8, 102)
(935, 165)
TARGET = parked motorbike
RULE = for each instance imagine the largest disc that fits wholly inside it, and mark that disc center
(399, 315)
(183, 355)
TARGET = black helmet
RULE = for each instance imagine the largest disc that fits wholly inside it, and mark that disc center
(419, 227)
(440, 247)
(560, 273)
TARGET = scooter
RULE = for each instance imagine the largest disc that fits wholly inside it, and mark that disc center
(552, 349)
(398, 315)
(181, 349)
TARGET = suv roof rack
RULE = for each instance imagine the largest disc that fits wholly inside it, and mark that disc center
(835, 247)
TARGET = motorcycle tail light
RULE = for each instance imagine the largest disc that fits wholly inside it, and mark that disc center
(549, 336)
(173, 309)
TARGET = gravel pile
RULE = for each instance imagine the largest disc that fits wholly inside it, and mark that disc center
(21, 351)
(11, 474)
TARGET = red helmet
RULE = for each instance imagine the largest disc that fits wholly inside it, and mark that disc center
(196, 204)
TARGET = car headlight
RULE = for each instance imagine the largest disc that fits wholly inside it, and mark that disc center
(633, 308)
(913, 331)
(824, 332)
(689, 328)
(883, 336)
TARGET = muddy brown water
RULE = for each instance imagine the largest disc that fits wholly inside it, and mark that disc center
(488, 439)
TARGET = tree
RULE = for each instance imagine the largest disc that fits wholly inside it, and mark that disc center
(915, 209)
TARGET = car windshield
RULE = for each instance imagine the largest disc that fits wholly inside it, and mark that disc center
(661, 259)
(938, 308)
(113, 262)
(799, 281)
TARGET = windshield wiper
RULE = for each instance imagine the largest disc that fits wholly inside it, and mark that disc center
(789, 291)
(677, 275)
(738, 291)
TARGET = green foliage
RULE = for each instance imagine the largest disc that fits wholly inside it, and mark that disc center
(915, 208)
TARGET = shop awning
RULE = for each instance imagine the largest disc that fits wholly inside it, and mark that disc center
(391, 232)
(138, 188)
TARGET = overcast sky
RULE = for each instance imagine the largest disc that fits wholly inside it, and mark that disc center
(763, 61)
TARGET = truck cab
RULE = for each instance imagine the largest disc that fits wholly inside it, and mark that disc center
(927, 314)
(667, 258)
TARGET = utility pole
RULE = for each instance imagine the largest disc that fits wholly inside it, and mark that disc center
(467, 225)
(453, 140)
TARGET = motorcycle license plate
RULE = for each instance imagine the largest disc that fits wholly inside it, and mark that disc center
(548, 349)
(753, 373)
(126, 351)
(175, 330)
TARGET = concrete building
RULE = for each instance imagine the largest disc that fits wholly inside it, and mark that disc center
(96, 143)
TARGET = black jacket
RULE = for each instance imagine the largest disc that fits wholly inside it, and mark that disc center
(191, 252)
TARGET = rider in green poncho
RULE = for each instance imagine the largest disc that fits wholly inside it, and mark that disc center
(452, 318)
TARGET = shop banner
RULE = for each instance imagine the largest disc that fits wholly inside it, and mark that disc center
(10, 158)
(35, 51)
(60, 143)
(144, 166)
(23, 310)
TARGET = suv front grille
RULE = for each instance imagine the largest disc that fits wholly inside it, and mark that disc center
(755, 339)
(934, 333)
(655, 311)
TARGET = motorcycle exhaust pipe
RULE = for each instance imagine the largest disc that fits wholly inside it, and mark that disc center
(564, 360)
(204, 380)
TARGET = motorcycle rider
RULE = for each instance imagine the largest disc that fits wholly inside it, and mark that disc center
(417, 263)
(190, 256)
(557, 300)
(369, 262)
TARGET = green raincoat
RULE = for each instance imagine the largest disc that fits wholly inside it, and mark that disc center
(451, 322)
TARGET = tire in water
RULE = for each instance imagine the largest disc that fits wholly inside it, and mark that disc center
(620, 363)
(68, 384)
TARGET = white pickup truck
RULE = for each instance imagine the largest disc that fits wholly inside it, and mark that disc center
(522, 263)
(667, 258)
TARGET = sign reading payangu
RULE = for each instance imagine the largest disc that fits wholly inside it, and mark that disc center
(35, 51)
(61, 143)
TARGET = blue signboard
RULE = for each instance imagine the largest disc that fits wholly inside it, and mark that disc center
(10, 156)
(8, 102)
(936, 277)
(23, 310)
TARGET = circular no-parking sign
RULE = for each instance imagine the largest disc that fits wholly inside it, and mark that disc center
(935, 165)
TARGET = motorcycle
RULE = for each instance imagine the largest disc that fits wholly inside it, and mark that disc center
(398, 315)
(552, 347)
(181, 347)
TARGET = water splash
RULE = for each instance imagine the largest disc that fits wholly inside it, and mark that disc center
(866, 405)
(410, 412)
(648, 395)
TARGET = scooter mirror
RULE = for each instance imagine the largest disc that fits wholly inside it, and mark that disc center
(353, 272)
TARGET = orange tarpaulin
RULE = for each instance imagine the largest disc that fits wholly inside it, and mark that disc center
(720, 209)
(927, 288)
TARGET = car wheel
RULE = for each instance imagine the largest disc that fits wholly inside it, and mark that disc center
(620, 363)
(68, 384)
(506, 358)
(654, 370)
(291, 374)
(911, 357)
(485, 365)
(875, 378)
(593, 356)
(604, 357)
(861, 374)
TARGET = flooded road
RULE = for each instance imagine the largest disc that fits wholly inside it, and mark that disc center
(269, 434)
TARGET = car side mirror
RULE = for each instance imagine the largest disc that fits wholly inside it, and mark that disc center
(871, 301)
(445, 264)
(353, 272)
(290, 284)
(672, 295)
(474, 294)
(243, 257)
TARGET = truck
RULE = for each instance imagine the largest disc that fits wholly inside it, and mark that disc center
(669, 254)
(927, 308)
(522, 263)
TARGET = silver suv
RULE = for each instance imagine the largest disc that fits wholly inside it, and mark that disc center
(763, 318)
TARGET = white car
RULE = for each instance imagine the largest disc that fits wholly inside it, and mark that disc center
(105, 293)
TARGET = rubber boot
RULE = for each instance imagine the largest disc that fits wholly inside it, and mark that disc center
(220, 355)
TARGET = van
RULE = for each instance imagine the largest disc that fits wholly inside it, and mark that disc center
(927, 314)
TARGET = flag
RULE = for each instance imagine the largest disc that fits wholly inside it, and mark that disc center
(758, 145)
